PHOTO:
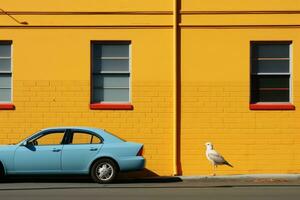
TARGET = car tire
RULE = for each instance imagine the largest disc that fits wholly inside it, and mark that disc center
(1, 171)
(104, 171)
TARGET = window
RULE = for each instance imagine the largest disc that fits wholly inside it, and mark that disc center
(110, 72)
(270, 72)
(54, 138)
(85, 138)
(5, 72)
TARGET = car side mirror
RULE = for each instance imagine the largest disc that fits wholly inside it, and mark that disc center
(28, 143)
(25, 143)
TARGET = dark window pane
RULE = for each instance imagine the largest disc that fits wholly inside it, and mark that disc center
(111, 72)
(115, 50)
(96, 50)
(5, 64)
(270, 88)
(110, 50)
(270, 66)
(270, 51)
(270, 96)
(5, 80)
(270, 81)
(5, 50)
(111, 65)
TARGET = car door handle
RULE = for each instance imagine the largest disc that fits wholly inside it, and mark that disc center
(93, 149)
(56, 150)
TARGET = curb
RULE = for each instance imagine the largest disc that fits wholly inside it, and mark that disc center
(242, 176)
(254, 178)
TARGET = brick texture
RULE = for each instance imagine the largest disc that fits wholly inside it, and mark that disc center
(41, 104)
(253, 141)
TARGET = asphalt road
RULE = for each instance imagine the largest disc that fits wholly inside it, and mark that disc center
(170, 188)
(132, 193)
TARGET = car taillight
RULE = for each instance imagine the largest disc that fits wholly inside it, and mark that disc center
(140, 153)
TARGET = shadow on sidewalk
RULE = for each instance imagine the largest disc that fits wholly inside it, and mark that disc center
(145, 176)
(85, 179)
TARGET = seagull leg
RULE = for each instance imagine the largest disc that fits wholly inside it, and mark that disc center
(214, 168)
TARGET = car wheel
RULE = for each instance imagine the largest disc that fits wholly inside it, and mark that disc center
(104, 171)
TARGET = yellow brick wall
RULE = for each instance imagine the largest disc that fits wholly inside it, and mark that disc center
(252, 141)
(215, 87)
(41, 103)
(51, 87)
(215, 108)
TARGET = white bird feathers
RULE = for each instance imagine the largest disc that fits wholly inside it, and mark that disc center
(214, 157)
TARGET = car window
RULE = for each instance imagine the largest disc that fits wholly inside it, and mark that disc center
(85, 138)
(95, 140)
(54, 138)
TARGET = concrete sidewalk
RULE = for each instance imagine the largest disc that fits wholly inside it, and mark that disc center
(223, 180)
(289, 177)
(253, 179)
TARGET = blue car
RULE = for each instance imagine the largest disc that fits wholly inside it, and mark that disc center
(72, 150)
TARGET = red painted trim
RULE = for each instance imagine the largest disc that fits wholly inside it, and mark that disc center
(111, 106)
(7, 106)
(272, 106)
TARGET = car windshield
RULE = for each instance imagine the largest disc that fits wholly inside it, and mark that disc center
(25, 138)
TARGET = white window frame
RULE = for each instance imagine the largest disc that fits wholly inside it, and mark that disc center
(290, 43)
(8, 42)
(112, 72)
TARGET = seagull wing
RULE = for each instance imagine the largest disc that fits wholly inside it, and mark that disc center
(216, 157)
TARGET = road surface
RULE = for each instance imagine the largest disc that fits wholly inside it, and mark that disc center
(84, 189)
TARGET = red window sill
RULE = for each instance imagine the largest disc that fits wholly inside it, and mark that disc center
(110, 106)
(7, 106)
(272, 106)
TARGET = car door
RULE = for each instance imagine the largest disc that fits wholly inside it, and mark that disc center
(42, 154)
(80, 151)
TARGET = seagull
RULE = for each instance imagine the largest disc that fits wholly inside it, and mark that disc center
(214, 157)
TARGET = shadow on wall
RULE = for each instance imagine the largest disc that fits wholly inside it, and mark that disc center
(145, 176)
(145, 173)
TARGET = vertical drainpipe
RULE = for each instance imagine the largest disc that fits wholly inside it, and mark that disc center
(176, 89)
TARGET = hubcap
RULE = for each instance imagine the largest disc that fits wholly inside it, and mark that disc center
(104, 171)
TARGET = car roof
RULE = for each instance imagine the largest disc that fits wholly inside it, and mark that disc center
(74, 127)
(107, 137)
